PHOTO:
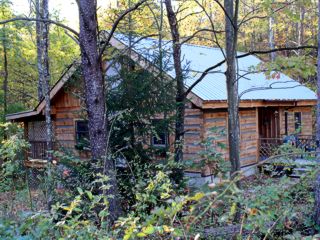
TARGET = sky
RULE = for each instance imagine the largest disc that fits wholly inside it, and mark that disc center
(68, 9)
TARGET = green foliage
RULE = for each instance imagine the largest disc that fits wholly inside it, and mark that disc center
(12, 156)
(71, 173)
(290, 149)
(19, 38)
(212, 156)
(135, 98)
(295, 66)
(85, 217)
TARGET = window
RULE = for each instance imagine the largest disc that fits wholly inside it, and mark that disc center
(297, 121)
(82, 134)
(159, 139)
(159, 136)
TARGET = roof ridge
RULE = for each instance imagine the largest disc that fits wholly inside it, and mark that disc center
(166, 40)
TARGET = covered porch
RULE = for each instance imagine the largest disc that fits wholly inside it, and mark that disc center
(268, 146)
(35, 134)
(279, 125)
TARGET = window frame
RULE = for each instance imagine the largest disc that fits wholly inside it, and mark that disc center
(297, 121)
(286, 114)
(78, 144)
(153, 136)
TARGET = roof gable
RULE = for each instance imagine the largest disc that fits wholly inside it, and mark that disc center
(55, 89)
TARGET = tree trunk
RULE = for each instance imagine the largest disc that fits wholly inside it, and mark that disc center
(301, 29)
(271, 36)
(317, 184)
(232, 86)
(180, 91)
(46, 78)
(6, 72)
(95, 97)
(39, 25)
(42, 32)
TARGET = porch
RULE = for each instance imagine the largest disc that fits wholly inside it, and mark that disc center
(35, 134)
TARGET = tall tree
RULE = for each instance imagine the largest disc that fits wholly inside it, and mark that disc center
(5, 70)
(271, 35)
(95, 95)
(180, 91)
(231, 38)
(317, 182)
(39, 37)
(42, 32)
(4, 41)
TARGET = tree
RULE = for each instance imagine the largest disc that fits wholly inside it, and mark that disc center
(271, 36)
(95, 96)
(180, 94)
(180, 89)
(317, 182)
(39, 25)
(4, 41)
(5, 70)
(42, 32)
(231, 33)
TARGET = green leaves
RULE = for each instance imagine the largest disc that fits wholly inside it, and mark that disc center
(296, 66)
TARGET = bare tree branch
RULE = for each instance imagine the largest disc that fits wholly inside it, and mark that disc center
(39, 20)
(212, 27)
(246, 19)
(116, 23)
(226, 14)
(188, 15)
(266, 88)
(205, 72)
(277, 50)
(187, 39)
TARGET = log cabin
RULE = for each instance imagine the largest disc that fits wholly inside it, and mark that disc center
(269, 108)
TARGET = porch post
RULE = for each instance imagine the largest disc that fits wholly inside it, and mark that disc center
(25, 129)
(257, 136)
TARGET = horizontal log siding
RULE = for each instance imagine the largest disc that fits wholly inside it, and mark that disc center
(307, 121)
(67, 109)
(218, 120)
(193, 132)
(248, 136)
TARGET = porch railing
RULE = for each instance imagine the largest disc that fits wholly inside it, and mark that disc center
(38, 150)
(268, 146)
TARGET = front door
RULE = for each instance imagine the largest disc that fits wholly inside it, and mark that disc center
(269, 124)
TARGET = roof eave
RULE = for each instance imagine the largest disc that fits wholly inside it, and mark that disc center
(214, 104)
(19, 115)
(54, 90)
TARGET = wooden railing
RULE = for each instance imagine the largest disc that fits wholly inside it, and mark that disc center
(268, 146)
(38, 150)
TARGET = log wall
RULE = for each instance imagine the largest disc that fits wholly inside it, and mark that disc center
(67, 109)
(193, 132)
(248, 136)
(307, 120)
(248, 133)
(216, 120)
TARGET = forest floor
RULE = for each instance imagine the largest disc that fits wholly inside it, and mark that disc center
(13, 203)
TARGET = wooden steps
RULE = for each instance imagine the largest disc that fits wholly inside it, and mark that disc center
(296, 169)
